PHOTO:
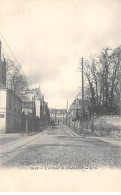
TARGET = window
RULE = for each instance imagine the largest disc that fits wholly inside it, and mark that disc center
(2, 115)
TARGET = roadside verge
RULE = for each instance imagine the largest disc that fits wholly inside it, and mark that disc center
(114, 141)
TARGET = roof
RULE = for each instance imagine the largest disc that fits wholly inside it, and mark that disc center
(3, 86)
(53, 110)
(35, 93)
(38, 91)
(7, 89)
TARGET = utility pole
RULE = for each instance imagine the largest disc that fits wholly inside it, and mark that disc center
(63, 116)
(82, 96)
(55, 115)
(67, 112)
(67, 105)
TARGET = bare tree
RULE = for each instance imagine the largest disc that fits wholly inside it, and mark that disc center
(16, 80)
(102, 73)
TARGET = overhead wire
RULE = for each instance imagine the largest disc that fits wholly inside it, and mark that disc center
(12, 54)
(5, 52)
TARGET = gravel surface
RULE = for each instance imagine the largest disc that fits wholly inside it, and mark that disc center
(56, 149)
(67, 157)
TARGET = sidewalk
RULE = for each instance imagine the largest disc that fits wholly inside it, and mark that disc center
(114, 141)
(84, 133)
(11, 137)
(89, 135)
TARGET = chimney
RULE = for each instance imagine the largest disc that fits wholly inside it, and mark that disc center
(0, 50)
(4, 72)
(2, 69)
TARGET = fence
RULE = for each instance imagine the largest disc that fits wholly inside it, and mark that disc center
(100, 125)
(30, 124)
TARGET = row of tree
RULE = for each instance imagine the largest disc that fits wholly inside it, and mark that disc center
(103, 75)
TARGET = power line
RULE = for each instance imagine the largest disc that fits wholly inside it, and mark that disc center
(9, 48)
(12, 54)
(5, 52)
(8, 58)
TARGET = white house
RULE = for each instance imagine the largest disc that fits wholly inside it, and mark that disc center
(10, 111)
(33, 102)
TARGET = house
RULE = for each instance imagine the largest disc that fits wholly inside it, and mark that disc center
(33, 101)
(10, 111)
(74, 114)
(10, 104)
(35, 107)
(58, 115)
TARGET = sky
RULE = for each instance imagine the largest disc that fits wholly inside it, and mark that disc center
(49, 37)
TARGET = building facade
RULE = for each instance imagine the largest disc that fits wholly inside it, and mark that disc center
(36, 107)
(32, 104)
(58, 115)
(10, 111)
(10, 104)
(74, 115)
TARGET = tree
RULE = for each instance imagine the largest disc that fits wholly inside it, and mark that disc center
(102, 74)
(16, 80)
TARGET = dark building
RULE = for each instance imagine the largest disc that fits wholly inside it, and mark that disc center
(2, 69)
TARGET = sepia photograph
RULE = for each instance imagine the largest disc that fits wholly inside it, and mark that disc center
(60, 95)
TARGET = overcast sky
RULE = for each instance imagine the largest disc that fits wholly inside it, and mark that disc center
(48, 37)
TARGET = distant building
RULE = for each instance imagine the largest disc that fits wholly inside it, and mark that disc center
(75, 110)
(10, 111)
(58, 115)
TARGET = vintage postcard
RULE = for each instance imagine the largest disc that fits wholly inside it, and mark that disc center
(60, 95)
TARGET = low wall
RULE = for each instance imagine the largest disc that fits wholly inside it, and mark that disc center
(101, 125)
(30, 124)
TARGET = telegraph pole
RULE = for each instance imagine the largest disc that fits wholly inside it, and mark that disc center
(55, 115)
(63, 115)
(82, 95)
(67, 106)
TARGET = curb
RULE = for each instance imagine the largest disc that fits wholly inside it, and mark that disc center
(36, 132)
(71, 131)
(97, 138)
(77, 134)
(33, 133)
